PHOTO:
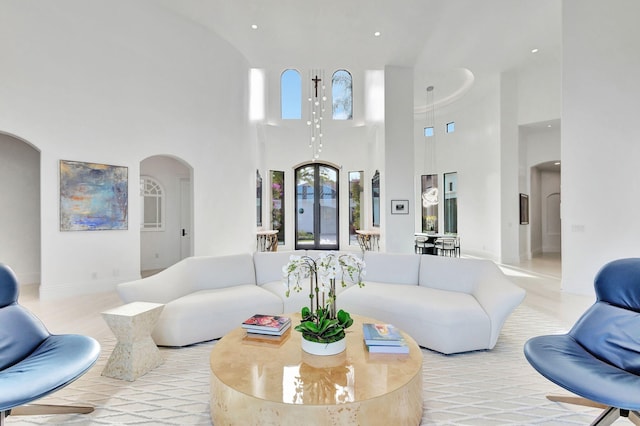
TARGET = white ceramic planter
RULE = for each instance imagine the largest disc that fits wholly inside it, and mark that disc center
(315, 348)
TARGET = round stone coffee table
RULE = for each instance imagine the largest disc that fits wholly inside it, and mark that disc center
(260, 383)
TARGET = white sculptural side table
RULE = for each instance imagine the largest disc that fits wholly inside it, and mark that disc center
(135, 353)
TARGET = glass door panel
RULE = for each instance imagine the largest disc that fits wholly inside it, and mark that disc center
(305, 207)
(355, 206)
(328, 202)
(316, 207)
(451, 203)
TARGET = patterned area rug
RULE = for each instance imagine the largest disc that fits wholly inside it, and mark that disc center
(496, 387)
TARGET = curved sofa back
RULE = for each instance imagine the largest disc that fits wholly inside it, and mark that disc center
(452, 273)
(392, 268)
(189, 275)
(269, 265)
(213, 272)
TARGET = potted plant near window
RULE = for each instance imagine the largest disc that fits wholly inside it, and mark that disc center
(322, 327)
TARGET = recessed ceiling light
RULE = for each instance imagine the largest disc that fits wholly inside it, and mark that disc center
(377, 34)
(557, 163)
(548, 125)
(534, 50)
(254, 27)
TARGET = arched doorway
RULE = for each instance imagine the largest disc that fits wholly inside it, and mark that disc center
(545, 209)
(166, 212)
(20, 195)
(316, 206)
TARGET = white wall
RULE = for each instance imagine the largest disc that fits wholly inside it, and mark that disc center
(539, 91)
(510, 172)
(600, 142)
(473, 151)
(117, 83)
(20, 208)
(397, 179)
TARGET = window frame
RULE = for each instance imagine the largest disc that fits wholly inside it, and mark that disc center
(347, 91)
(150, 187)
(293, 100)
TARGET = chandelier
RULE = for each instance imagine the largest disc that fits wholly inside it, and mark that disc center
(317, 99)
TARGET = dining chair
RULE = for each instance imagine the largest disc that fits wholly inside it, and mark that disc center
(446, 246)
(422, 245)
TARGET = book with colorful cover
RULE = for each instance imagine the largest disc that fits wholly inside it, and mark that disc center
(388, 349)
(382, 335)
(266, 322)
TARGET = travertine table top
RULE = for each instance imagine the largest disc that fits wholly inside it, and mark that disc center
(281, 381)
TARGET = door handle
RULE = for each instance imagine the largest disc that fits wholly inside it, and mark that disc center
(184, 232)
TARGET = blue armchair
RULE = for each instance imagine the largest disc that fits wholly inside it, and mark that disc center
(599, 359)
(33, 362)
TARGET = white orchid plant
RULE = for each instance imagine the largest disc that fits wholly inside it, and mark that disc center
(320, 321)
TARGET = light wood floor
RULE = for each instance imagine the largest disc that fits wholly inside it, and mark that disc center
(78, 314)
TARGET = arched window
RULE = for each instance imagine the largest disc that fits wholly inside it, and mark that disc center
(291, 95)
(151, 204)
(342, 94)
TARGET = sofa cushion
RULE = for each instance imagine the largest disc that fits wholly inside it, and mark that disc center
(450, 273)
(269, 265)
(444, 321)
(210, 272)
(392, 268)
(210, 314)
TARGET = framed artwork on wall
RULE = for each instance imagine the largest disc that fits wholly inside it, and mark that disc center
(399, 206)
(524, 209)
(93, 197)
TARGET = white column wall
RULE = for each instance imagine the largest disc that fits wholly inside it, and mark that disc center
(600, 142)
(117, 83)
(511, 232)
(397, 178)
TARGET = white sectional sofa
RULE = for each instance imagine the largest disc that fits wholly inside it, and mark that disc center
(446, 304)
(205, 297)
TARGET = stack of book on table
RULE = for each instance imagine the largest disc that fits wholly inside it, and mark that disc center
(267, 327)
(384, 338)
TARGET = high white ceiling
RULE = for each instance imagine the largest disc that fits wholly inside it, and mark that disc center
(446, 41)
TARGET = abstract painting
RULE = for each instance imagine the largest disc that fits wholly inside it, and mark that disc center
(93, 197)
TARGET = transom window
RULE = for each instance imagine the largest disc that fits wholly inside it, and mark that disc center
(342, 94)
(291, 95)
